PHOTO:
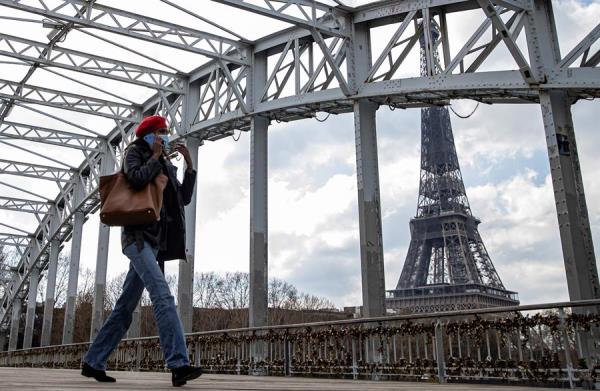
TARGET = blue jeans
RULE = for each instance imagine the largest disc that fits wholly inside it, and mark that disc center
(144, 272)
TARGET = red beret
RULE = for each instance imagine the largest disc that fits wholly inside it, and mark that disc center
(150, 124)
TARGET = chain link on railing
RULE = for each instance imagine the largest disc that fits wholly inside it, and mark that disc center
(553, 346)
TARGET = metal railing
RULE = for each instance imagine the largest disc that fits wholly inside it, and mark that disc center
(549, 344)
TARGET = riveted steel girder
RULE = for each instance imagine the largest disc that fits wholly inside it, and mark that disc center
(23, 205)
(328, 23)
(138, 26)
(34, 52)
(36, 171)
(65, 100)
(40, 134)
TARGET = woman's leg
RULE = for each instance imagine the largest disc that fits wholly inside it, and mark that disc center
(117, 323)
(170, 329)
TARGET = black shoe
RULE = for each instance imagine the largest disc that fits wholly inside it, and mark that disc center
(181, 375)
(100, 376)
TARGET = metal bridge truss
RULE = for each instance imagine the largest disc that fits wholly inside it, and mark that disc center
(323, 62)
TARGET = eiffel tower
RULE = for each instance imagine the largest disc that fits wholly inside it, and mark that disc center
(447, 266)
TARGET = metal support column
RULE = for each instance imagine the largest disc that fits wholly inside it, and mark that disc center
(258, 305)
(100, 280)
(258, 223)
(50, 292)
(185, 289)
(135, 328)
(2, 341)
(34, 278)
(259, 269)
(14, 324)
(573, 220)
(369, 204)
(106, 167)
(69, 325)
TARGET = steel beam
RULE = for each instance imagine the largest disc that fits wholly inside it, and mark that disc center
(69, 324)
(106, 167)
(2, 341)
(39, 134)
(310, 21)
(367, 165)
(369, 210)
(571, 206)
(14, 325)
(135, 327)
(10, 90)
(8, 239)
(50, 292)
(34, 278)
(37, 171)
(258, 201)
(185, 290)
(137, 26)
(33, 52)
(573, 218)
(23, 205)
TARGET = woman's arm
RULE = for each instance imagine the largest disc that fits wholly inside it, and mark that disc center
(188, 185)
(189, 177)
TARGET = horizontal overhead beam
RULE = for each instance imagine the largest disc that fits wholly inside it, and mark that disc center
(8, 239)
(36, 171)
(33, 51)
(23, 205)
(138, 26)
(13, 243)
(14, 130)
(276, 10)
(66, 100)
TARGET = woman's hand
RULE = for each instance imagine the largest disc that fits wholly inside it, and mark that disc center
(157, 148)
(182, 149)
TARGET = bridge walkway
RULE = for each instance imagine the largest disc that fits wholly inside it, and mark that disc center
(33, 379)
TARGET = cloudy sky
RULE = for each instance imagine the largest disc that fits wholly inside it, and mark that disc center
(313, 212)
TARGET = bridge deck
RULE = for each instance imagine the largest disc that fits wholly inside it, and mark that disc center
(65, 379)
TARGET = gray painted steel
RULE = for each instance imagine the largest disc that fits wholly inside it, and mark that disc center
(258, 201)
(185, 290)
(71, 301)
(50, 292)
(14, 325)
(106, 167)
(34, 279)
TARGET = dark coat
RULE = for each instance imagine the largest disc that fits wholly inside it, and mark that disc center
(167, 234)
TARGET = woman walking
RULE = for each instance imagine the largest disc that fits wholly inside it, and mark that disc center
(147, 247)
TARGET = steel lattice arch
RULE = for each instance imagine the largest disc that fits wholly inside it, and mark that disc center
(324, 60)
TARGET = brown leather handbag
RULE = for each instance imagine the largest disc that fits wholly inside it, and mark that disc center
(120, 205)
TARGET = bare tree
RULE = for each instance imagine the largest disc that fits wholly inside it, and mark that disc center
(85, 290)
(114, 287)
(232, 290)
(315, 303)
(205, 290)
(62, 279)
(283, 295)
(7, 261)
